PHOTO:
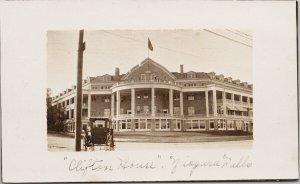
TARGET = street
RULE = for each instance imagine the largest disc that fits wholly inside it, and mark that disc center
(63, 143)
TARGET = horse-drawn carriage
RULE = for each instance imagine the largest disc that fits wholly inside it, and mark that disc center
(100, 133)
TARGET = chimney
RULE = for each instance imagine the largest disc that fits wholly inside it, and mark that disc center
(181, 68)
(117, 72)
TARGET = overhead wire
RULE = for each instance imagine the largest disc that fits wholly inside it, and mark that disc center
(218, 34)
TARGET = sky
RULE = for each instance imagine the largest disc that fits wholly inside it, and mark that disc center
(227, 52)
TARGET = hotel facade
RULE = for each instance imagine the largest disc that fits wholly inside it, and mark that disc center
(151, 98)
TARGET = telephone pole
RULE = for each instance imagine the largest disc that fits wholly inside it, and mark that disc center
(81, 48)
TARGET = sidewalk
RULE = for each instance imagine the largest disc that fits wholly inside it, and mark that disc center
(170, 137)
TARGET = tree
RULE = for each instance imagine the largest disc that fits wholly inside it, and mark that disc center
(55, 114)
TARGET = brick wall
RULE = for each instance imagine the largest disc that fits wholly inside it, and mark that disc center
(198, 103)
(125, 103)
(161, 100)
(98, 104)
(143, 101)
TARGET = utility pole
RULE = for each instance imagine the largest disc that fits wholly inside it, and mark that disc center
(81, 48)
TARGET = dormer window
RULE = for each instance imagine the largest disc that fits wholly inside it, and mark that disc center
(106, 78)
(191, 75)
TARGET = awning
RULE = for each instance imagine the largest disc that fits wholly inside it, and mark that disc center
(230, 107)
(240, 108)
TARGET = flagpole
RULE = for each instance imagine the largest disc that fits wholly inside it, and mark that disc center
(147, 43)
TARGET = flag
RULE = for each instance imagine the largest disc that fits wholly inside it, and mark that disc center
(150, 47)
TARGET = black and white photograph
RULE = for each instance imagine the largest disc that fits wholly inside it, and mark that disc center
(150, 89)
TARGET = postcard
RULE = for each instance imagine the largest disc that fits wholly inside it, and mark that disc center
(126, 91)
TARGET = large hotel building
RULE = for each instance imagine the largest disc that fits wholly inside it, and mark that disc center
(151, 98)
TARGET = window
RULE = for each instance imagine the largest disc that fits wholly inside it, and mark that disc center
(157, 124)
(176, 110)
(165, 111)
(72, 113)
(146, 109)
(202, 125)
(146, 95)
(123, 125)
(176, 97)
(143, 77)
(128, 124)
(191, 75)
(178, 125)
(168, 123)
(106, 100)
(148, 123)
(142, 123)
(138, 109)
(163, 124)
(191, 110)
(195, 124)
(128, 111)
(152, 76)
(211, 125)
(191, 97)
(137, 125)
(188, 125)
(106, 112)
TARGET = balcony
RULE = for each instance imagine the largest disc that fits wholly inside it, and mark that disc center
(219, 101)
(245, 104)
(228, 101)
(150, 115)
(141, 82)
(196, 115)
(239, 117)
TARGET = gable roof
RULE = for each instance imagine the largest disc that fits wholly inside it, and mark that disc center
(148, 60)
(100, 79)
(201, 75)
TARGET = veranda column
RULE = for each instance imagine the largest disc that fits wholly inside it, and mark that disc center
(215, 107)
(206, 104)
(153, 101)
(248, 102)
(70, 109)
(75, 109)
(89, 105)
(70, 113)
(132, 102)
(118, 103)
(224, 103)
(241, 100)
(232, 101)
(171, 102)
(224, 108)
(215, 102)
(181, 103)
(112, 107)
